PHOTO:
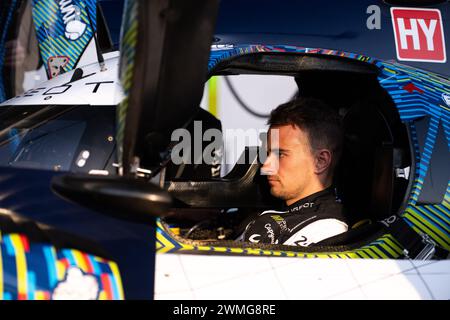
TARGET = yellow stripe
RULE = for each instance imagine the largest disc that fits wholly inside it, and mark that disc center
(364, 254)
(291, 254)
(420, 226)
(446, 246)
(204, 248)
(162, 238)
(277, 253)
(253, 251)
(397, 247)
(389, 70)
(213, 92)
(39, 295)
(428, 224)
(186, 247)
(381, 253)
(79, 260)
(389, 249)
(100, 259)
(21, 264)
(167, 245)
(433, 210)
(130, 36)
(268, 253)
(237, 250)
(116, 273)
(352, 255)
(163, 250)
(60, 270)
(441, 210)
(102, 295)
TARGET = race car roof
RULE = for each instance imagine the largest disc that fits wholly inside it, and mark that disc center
(362, 27)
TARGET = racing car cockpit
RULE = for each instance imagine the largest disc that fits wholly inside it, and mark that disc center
(370, 178)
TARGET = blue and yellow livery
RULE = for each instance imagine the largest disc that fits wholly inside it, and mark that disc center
(33, 271)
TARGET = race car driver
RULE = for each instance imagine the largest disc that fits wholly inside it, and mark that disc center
(304, 144)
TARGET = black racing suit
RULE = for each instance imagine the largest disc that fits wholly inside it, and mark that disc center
(309, 220)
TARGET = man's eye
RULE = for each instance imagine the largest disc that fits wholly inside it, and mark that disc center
(276, 154)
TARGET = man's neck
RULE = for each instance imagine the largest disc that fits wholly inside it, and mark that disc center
(311, 189)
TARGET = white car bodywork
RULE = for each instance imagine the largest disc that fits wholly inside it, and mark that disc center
(206, 277)
(95, 87)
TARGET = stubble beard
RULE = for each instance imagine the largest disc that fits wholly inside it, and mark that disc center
(282, 194)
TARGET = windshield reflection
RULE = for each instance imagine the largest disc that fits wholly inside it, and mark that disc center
(57, 137)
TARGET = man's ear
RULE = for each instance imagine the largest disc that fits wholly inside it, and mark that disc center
(322, 161)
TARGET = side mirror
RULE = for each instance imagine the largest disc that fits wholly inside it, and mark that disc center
(129, 199)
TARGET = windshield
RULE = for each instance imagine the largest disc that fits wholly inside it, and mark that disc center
(59, 138)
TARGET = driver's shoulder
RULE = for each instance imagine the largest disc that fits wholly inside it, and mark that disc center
(317, 231)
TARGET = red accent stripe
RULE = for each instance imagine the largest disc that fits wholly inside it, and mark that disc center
(22, 296)
(65, 262)
(107, 286)
(25, 243)
(410, 87)
(90, 268)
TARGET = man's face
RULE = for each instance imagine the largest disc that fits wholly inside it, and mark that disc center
(289, 164)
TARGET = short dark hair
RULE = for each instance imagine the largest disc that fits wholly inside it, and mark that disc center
(321, 123)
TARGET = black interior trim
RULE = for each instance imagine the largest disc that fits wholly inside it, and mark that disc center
(283, 63)
(242, 187)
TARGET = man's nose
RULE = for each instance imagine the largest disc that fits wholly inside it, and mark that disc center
(269, 167)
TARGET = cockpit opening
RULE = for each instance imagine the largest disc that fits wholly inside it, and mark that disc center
(371, 179)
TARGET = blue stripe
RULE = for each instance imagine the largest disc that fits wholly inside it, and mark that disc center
(425, 217)
(69, 256)
(7, 296)
(31, 285)
(95, 266)
(440, 219)
(419, 226)
(51, 266)
(9, 270)
(9, 246)
(115, 289)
